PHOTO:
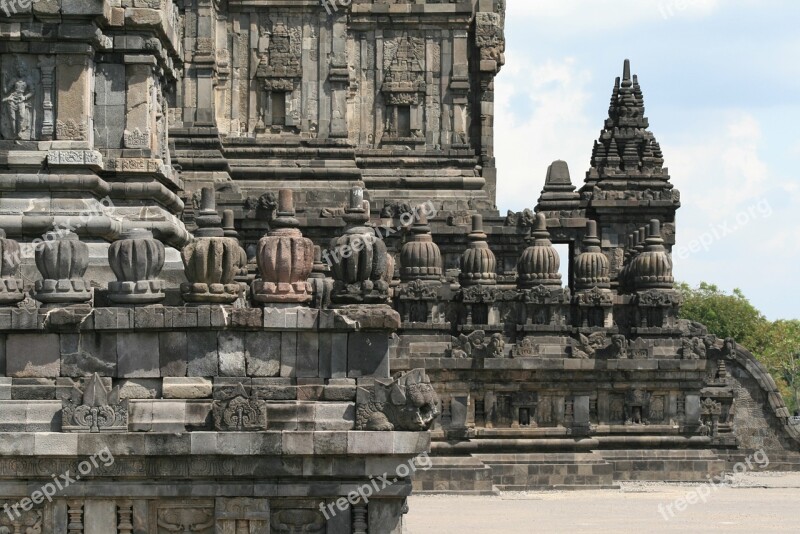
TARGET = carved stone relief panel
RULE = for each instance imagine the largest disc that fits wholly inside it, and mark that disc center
(25, 91)
(168, 517)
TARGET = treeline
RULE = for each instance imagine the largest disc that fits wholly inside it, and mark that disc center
(775, 343)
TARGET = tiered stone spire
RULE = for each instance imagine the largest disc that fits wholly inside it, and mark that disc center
(539, 263)
(558, 194)
(626, 148)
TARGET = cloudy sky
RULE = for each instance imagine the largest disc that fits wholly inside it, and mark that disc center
(721, 81)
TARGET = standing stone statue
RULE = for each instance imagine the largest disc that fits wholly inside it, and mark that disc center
(16, 119)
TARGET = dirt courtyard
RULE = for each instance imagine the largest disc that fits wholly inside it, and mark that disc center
(756, 502)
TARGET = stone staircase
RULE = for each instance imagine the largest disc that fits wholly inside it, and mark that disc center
(485, 474)
(664, 465)
(559, 471)
(454, 475)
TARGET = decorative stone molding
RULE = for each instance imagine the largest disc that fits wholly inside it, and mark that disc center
(137, 260)
(477, 345)
(407, 403)
(95, 410)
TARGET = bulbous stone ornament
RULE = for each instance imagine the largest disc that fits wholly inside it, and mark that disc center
(478, 263)
(62, 263)
(539, 263)
(652, 269)
(136, 259)
(420, 257)
(360, 259)
(285, 259)
(11, 287)
(212, 260)
(592, 268)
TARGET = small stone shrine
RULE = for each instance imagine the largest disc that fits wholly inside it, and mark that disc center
(252, 263)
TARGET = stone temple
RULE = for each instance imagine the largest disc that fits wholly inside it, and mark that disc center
(252, 265)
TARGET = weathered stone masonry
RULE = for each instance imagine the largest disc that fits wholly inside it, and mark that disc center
(174, 175)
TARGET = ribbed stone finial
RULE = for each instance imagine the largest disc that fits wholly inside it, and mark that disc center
(62, 263)
(360, 261)
(652, 269)
(478, 263)
(285, 258)
(420, 257)
(136, 259)
(539, 264)
(211, 260)
(592, 268)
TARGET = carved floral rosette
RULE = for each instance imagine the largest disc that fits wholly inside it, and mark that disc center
(62, 263)
(545, 295)
(12, 289)
(658, 298)
(237, 411)
(137, 260)
(419, 290)
(95, 410)
(594, 297)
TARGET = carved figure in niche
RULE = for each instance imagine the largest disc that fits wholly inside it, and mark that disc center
(619, 347)
(406, 403)
(588, 346)
(693, 349)
(17, 112)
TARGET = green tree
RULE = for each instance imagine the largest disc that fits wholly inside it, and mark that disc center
(775, 344)
(726, 315)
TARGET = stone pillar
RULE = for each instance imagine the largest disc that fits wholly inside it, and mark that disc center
(75, 74)
(138, 117)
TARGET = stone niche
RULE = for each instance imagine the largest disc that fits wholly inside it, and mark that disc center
(27, 97)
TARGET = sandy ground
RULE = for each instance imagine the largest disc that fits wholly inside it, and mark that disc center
(755, 502)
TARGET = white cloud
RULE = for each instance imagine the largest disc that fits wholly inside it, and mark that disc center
(719, 169)
(556, 127)
(603, 15)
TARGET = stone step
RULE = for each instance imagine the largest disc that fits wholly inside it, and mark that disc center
(525, 472)
(664, 465)
(453, 476)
